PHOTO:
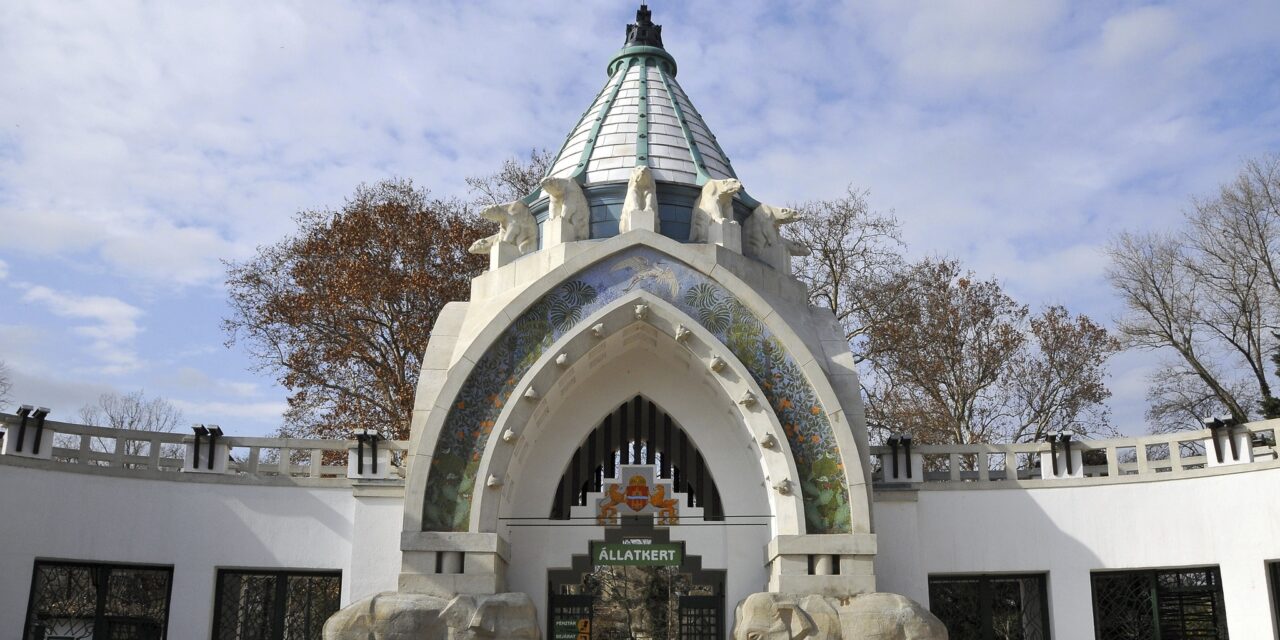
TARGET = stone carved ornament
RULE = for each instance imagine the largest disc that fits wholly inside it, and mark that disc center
(408, 616)
(516, 227)
(764, 240)
(714, 206)
(641, 203)
(567, 201)
(883, 616)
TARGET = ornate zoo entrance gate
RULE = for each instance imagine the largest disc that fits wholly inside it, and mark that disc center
(636, 584)
(637, 474)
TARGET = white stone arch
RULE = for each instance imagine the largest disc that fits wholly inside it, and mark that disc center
(710, 261)
(574, 398)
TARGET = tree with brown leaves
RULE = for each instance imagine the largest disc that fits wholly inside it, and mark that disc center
(342, 310)
(963, 362)
(942, 355)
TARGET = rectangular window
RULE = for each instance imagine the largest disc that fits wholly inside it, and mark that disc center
(274, 605)
(604, 220)
(1164, 603)
(673, 221)
(991, 606)
(98, 600)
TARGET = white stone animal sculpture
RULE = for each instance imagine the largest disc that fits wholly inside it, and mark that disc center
(518, 227)
(715, 205)
(484, 245)
(763, 237)
(640, 208)
(568, 202)
(870, 616)
(780, 616)
(407, 616)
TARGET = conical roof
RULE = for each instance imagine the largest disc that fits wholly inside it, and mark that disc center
(642, 118)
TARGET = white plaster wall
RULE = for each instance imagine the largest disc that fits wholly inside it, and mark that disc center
(197, 527)
(1232, 521)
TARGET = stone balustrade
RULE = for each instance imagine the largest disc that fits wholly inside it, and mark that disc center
(324, 462)
(252, 460)
(1139, 459)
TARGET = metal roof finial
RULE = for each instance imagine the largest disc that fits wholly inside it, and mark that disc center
(644, 33)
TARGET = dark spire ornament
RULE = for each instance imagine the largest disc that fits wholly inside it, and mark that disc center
(644, 33)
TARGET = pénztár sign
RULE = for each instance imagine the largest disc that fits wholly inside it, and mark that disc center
(636, 555)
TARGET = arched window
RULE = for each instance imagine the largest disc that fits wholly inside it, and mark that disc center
(638, 432)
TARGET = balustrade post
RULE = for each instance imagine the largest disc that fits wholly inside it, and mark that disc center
(203, 451)
(28, 437)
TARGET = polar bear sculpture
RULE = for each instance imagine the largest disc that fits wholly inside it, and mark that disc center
(763, 237)
(517, 226)
(640, 208)
(567, 211)
(714, 207)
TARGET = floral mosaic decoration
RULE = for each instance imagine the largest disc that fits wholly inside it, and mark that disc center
(471, 418)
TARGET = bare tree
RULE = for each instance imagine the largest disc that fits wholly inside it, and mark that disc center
(853, 250)
(6, 385)
(516, 179)
(132, 411)
(1211, 294)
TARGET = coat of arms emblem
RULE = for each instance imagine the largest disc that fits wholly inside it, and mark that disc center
(642, 492)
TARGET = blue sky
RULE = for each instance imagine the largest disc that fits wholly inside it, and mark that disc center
(140, 143)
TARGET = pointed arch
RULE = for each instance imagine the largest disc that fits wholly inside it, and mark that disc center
(462, 415)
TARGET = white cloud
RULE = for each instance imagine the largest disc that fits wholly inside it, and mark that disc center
(112, 326)
(194, 379)
(1134, 36)
(4, 270)
(212, 412)
(139, 146)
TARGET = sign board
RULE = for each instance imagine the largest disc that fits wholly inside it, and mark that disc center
(579, 629)
(666, 554)
(570, 617)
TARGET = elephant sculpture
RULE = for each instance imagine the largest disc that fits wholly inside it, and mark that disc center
(870, 616)
(407, 616)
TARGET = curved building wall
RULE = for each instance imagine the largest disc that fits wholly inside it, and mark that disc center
(1231, 520)
(193, 524)
(1226, 518)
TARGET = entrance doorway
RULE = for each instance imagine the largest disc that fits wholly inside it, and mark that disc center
(636, 584)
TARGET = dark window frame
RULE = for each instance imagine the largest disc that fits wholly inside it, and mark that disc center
(984, 582)
(1273, 580)
(281, 577)
(101, 597)
(1158, 604)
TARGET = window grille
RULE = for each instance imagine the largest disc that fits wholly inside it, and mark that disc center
(638, 432)
(85, 600)
(1181, 604)
(991, 607)
(274, 605)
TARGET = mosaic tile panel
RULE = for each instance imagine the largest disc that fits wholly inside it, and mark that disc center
(469, 425)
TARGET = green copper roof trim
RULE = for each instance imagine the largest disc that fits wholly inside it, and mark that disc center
(633, 52)
(699, 165)
(642, 121)
(580, 172)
